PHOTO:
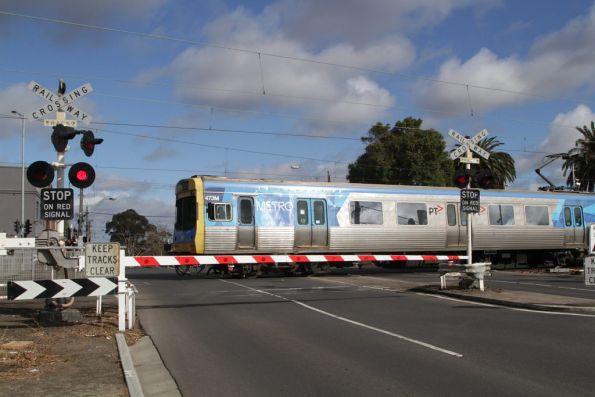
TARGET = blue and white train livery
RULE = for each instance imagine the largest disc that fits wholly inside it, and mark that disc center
(221, 216)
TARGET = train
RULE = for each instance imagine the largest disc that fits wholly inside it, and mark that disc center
(226, 216)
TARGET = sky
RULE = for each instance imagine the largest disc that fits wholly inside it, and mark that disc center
(285, 89)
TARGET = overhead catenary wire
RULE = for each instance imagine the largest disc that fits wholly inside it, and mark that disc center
(302, 60)
(263, 53)
(260, 53)
(316, 119)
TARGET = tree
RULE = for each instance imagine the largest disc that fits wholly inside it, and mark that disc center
(581, 160)
(405, 154)
(130, 230)
(500, 164)
(156, 239)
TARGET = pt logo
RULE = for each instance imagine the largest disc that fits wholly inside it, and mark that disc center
(436, 210)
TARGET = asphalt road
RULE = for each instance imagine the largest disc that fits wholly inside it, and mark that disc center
(356, 334)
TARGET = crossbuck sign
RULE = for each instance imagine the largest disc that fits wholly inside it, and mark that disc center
(468, 144)
(61, 102)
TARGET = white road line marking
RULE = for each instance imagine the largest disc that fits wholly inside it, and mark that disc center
(577, 289)
(382, 331)
(542, 285)
(385, 279)
(518, 309)
(520, 283)
(387, 289)
(449, 298)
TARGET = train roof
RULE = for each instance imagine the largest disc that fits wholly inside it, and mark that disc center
(383, 187)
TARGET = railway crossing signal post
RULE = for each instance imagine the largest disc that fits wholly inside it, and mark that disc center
(468, 145)
(64, 130)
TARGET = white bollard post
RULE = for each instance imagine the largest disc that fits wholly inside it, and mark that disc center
(98, 306)
(130, 308)
(122, 294)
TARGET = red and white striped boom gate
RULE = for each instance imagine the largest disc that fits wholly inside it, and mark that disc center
(197, 260)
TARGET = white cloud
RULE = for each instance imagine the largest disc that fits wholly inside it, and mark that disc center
(362, 90)
(557, 64)
(112, 194)
(115, 186)
(105, 11)
(315, 22)
(160, 153)
(18, 98)
(561, 139)
(238, 79)
(484, 69)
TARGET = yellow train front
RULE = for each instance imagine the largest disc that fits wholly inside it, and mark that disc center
(221, 216)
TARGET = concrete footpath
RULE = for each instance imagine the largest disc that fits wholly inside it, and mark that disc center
(145, 373)
(518, 299)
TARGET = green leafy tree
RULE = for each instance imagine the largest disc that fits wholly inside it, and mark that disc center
(500, 164)
(130, 230)
(405, 154)
(582, 159)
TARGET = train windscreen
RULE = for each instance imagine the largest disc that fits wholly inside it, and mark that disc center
(186, 213)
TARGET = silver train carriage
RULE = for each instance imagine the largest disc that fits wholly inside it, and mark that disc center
(216, 215)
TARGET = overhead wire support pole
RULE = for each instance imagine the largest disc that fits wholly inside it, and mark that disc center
(60, 180)
(21, 231)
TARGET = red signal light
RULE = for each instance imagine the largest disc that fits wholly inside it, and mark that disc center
(462, 178)
(88, 142)
(40, 174)
(485, 179)
(81, 175)
(61, 136)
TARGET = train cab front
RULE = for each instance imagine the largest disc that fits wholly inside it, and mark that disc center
(189, 227)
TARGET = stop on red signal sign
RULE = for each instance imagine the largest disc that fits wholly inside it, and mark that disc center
(57, 204)
(470, 200)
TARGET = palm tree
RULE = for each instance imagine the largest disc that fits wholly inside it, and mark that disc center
(500, 164)
(580, 162)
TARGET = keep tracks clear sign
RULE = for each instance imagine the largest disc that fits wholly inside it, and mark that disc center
(590, 270)
(102, 259)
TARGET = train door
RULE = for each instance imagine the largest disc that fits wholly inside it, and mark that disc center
(311, 229)
(455, 229)
(246, 222)
(574, 228)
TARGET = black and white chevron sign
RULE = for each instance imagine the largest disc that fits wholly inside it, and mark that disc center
(64, 288)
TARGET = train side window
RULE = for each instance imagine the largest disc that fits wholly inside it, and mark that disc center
(578, 217)
(366, 212)
(537, 215)
(319, 217)
(302, 212)
(567, 217)
(246, 211)
(219, 212)
(412, 214)
(501, 214)
(451, 214)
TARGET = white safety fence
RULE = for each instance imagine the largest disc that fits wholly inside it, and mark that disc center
(20, 266)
